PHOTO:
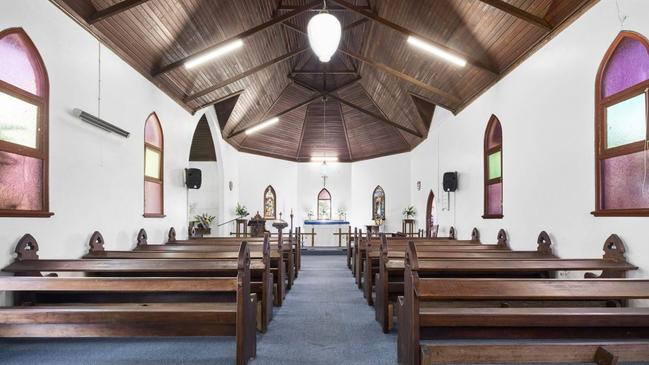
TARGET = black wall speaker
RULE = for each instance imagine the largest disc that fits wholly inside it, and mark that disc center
(193, 178)
(450, 181)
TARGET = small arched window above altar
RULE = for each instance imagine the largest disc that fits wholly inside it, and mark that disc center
(270, 203)
(324, 204)
(378, 203)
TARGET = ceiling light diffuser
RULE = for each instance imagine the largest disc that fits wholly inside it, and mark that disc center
(324, 35)
(436, 51)
(216, 53)
(261, 126)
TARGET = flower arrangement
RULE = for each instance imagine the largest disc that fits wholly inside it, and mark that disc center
(240, 211)
(409, 212)
(205, 220)
(341, 213)
(310, 214)
(379, 221)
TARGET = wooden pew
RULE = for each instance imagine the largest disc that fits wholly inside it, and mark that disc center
(389, 283)
(536, 320)
(370, 262)
(261, 278)
(277, 258)
(145, 308)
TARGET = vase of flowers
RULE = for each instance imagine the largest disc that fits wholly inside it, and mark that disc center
(341, 213)
(409, 212)
(203, 223)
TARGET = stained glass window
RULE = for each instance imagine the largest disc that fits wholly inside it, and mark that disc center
(378, 203)
(324, 204)
(24, 102)
(493, 166)
(270, 204)
(621, 99)
(153, 168)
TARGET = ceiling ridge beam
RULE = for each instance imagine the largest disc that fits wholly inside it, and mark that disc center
(344, 123)
(272, 105)
(314, 97)
(320, 72)
(242, 75)
(385, 68)
(376, 116)
(299, 144)
(241, 36)
(329, 8)
(405, 31)
(113, 10)
(520, 14)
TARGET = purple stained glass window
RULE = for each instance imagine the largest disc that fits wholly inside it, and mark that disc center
(622, 182)
(495, 199)
(324, 194)
(152, 197)
(21, 180)
(628, 66)
(495, 135)
(17, 64)
(153, 131)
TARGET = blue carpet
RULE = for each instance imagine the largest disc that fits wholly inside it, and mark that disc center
(324, 320)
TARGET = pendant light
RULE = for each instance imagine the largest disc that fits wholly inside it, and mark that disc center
(324, 32)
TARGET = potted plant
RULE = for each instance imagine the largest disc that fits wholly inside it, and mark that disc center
(240, 211)
(409, 212)
(203, 223)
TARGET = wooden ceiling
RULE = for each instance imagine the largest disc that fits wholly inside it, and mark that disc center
(376, 96)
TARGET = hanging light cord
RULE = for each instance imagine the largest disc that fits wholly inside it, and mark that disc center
(99, 80)
(620, 14)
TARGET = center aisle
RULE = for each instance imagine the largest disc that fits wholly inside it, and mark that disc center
(325, 320)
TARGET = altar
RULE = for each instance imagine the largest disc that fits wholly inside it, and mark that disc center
(324, 232)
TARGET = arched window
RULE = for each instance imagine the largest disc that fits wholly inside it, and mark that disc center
(378, 203)
(493, 170)
(153, 168)
(270, 203)
(622, 186)
(24, 152)
(324, 204)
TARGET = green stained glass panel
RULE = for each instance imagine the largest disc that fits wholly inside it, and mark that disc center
(495, 170)
(626, 122)
(18, 121)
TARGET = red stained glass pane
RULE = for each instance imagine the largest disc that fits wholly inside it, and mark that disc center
(324, 194)
(152, 198)
(153, 131)
(495, 199)
(17, 65)
(21, 180)
(495, 136)
(628, 66)
(622, 182)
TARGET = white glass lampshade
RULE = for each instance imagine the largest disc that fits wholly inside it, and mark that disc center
(324, 35)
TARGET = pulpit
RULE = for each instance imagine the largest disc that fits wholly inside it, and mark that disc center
(257, 226)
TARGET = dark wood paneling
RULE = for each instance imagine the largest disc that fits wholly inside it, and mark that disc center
(202, 144)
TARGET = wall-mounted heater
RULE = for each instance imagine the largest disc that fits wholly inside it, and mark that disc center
(99, 123)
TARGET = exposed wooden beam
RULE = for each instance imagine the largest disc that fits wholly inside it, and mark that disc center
(342, 118)
(329, 8)
(376, 116)
(437, 91)
(385, 115)
(407, 32)
(272, 105)
(245, 34)
(113, 10)
(313, 98)
(319, 72)
(519, 13)
(242, 75)
(347, 27)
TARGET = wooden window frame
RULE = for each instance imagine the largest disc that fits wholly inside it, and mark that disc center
(272, 190)
(160, 181)
(330, 204)
(487, 182)
(42, 145)
(374, 217)
(601, 104)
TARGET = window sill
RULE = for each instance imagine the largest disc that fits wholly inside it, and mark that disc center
(492, 216)
(154, 215)
(25, 213)
(621, 213)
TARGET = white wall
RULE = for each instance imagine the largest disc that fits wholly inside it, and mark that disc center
(310, 184)
(546, 107)
(96, 178)
(205, 199)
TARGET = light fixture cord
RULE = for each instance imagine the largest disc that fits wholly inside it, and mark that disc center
(99, 80)
(620, 14)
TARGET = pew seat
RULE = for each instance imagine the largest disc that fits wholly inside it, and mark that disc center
(521, 352)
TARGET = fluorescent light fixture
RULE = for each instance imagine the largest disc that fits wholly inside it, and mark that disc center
(218, 52)
(436, 51)
(324, 159)
(99, 123)
(260, 126)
